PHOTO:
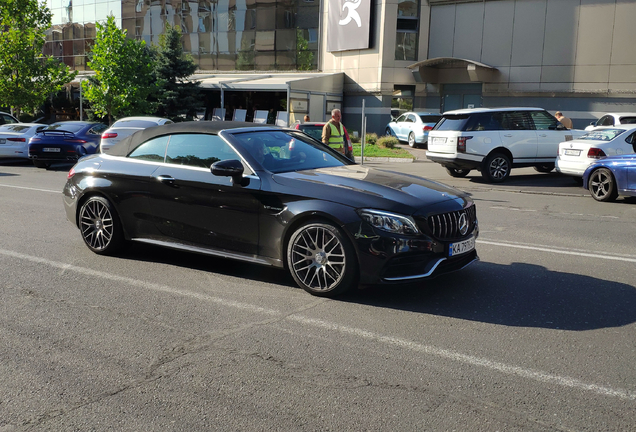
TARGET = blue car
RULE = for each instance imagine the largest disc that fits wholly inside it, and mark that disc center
(413, 127)
(65, 142)
(610, 177)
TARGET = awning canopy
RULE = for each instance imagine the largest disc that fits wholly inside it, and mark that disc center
(324, 82)
(452, 69)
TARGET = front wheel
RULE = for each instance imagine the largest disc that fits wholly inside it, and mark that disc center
(602, 185)
(457, 172)
(322, 260)
(496, 168)
(412, 140)
(388, 132)
(100, 226)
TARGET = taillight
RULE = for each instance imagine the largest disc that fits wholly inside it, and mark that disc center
(80, 141)
(461, 143)
(16, 139)
(428, 128)
(70, 174)
(595, 153)
(109, 135)
(34, 139)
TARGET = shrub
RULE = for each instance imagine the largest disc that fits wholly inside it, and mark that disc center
(372, 138)
(388, 142)
(354, 139)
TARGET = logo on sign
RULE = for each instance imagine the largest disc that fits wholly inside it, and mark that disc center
(352, 14)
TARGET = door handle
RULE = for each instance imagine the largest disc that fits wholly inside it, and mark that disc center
(542, 135)
(508, 135)
(167, 180)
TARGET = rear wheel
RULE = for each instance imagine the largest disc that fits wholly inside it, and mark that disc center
(457, 172)
(496, 168)
(41, 164)
(100, 226)
(602, 185)
(546, 168)
(412, 140)
(321, 259)
(388, 132)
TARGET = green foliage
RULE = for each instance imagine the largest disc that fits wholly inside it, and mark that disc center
(304, 57)
(388, 142)
(380, 151)
(371, 138)
(179, 97)
(123, 79)
(26, 76)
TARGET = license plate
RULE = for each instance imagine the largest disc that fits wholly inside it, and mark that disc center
(51, 149)
(570, 152)
(461, 247)
(438, 140)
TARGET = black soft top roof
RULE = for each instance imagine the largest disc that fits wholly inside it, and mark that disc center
(128, 144)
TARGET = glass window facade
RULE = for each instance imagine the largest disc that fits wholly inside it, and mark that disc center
(407, 30)
(219, 34)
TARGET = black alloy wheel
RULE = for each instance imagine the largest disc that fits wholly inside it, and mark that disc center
(412, 140)
(321, 259)
(546, 168)
(100, 227)
(457, 172)
(496, 168)
(602, 185)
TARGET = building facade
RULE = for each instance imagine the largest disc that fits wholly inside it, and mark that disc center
(576, 56)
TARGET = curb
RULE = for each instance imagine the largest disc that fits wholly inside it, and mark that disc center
(384, 159)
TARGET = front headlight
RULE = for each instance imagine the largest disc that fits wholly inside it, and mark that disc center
(390, 222)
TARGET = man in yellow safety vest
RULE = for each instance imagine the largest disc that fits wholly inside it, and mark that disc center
(333, 132)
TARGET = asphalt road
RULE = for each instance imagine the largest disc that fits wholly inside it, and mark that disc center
(538, 335)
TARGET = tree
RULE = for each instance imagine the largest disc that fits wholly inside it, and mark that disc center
(179, 97)
(123, 80)
(27, 76)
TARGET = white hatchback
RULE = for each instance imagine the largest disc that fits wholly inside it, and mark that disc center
(575, 156)
(14, 138)
(128, 126)
(495, 140)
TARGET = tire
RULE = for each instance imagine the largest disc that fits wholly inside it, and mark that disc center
(496, 168)
(388, 132)
(457, 172)
(100, 226)
(40, 164)
(602, 185)
(412, 140)
(544, 168)
(321, 259)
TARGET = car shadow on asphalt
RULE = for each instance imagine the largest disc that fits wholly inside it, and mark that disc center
(539, 180)
(517, 295)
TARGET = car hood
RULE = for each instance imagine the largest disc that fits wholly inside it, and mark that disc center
(359, 186)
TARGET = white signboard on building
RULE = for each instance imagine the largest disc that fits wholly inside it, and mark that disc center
(348, 25)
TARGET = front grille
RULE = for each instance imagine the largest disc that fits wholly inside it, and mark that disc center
(446, 226)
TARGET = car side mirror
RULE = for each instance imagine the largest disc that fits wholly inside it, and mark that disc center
(230, 168)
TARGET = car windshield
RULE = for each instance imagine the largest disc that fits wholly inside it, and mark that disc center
(134, 123)
(430, 118)
(69, 127)
(286, 151)
(603, 135)
(452, 122)
(14, 128)
(314, 131)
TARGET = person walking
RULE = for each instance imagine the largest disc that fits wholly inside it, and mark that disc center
(333, 132)
(563, 120)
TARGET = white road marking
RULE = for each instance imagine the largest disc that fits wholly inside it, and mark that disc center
(512, 209)
(559, 251)
(29, 188)
(530, 374)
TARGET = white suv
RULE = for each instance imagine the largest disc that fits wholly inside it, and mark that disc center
(494, 140)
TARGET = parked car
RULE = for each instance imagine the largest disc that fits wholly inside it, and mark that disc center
(6, 118)
(495, 140)
(270, 196)
(65, 141)
(610, 177)
(314, 130)
(575, 156)
(14, 138)
(613, 119)
(128, 126)
(413, 127)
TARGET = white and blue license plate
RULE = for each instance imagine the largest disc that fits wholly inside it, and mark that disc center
(461, 247)
(438, 140)
(51, 149)
(570, 152)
